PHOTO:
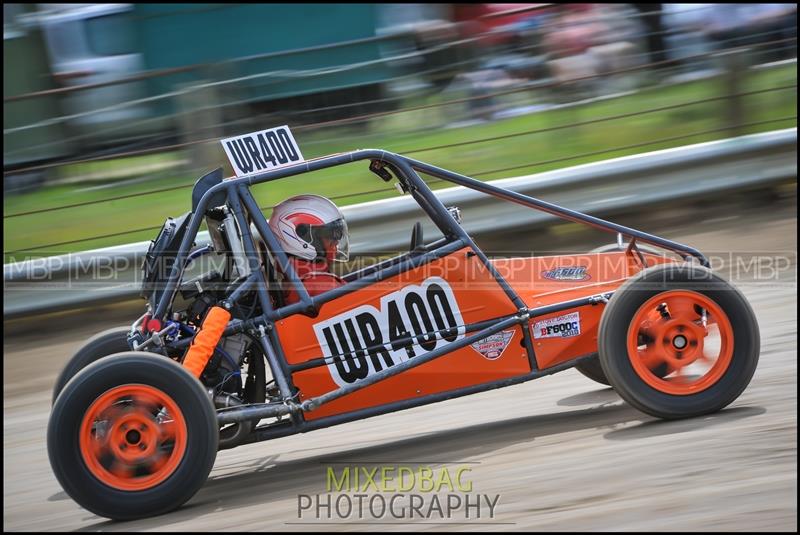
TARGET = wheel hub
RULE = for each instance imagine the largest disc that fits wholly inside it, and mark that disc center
(680, 342)
(669, 332)
(134, 437)
(123, 444)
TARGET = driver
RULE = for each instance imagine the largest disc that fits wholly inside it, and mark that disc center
(313, 232)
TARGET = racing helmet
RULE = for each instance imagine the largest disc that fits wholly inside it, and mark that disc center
(311, 227)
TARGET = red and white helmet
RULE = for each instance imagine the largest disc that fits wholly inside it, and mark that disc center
(311, 227)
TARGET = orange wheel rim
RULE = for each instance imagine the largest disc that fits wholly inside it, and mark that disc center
(133, 437)
(680, 342)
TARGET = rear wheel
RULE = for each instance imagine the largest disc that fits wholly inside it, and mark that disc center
(132, 436)
(689, 322)
(98, 346)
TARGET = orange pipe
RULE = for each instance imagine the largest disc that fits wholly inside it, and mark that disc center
(206, 340)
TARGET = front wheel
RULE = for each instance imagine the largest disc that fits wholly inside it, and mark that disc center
(132, 435)
(689, 322)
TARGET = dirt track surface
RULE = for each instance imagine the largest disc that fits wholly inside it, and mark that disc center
(562, 452)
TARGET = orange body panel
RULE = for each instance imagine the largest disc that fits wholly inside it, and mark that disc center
(547, 280)
(459, 287)
(457, 283)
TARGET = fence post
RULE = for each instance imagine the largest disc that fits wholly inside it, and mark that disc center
(734, 65)
(199, 119)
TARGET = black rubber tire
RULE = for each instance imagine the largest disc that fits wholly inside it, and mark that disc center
(591, 367)
(632, 295)
(78, 395)
(98, 346)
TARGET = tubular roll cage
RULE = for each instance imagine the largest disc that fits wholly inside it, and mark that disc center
(241, 202)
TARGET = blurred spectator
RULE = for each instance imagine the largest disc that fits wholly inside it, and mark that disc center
(618, 48)
(654, 29)
(686, 40)
(572, 32)
(588, 44)
(733, 25)
(495, 29)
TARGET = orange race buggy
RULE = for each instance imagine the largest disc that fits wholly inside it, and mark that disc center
(139, 413)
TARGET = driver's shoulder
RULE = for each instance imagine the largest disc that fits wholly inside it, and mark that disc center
(317, 282)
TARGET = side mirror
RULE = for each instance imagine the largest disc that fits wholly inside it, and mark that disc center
(455, 211)
(417, 241)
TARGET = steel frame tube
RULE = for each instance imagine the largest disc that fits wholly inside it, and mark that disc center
(271, 432)
(272, 242)
(311, 404)
(278, 367)
(369, 270)
(251, 412)
(455, 238)
(324, 361)
(449, 226)
(250, 251)
(396, 269)
(554, 209)
(406, 167)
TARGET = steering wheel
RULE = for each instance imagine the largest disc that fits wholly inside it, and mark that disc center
(416, 238)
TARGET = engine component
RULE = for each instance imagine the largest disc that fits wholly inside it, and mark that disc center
(199, 307)
(254, 392)
(207, 282)
(231, 231)
(223, 401)
(234, 346)
(160, 257)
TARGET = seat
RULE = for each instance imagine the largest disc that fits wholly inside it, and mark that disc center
(273, 284)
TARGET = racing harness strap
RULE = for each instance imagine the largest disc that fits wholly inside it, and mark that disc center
(206, 340)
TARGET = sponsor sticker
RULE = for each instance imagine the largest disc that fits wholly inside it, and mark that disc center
(262, 151)
(564, 326)
(493, 346)
(573, 273)
(365, 340)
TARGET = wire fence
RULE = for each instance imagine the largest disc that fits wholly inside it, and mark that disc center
(114, 154)
(155, 73)
(453, 145)
(545, 85)
(432, 181)
(456, 83)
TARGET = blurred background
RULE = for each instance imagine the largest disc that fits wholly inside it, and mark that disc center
(112, 111)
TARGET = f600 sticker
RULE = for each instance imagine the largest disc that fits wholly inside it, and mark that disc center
(262, 151)
(409, 323)
(564, 326)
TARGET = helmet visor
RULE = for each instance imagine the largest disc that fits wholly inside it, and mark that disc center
(330, 235)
